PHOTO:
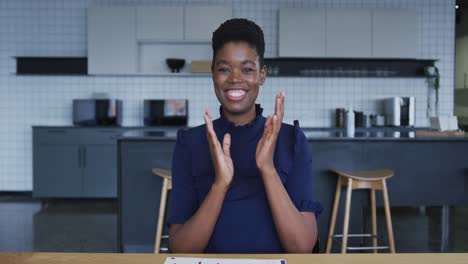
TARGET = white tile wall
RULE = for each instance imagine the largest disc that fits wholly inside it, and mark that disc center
(58, 28)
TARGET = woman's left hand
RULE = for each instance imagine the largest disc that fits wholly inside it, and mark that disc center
(266, 145)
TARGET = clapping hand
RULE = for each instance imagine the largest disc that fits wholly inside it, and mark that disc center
(221, 156)
(266, 145)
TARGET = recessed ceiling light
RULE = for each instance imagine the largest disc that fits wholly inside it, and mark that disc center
(456, 6)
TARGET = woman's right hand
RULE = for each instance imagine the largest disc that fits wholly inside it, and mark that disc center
(221, 156)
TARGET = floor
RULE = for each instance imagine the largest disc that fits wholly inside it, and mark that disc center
(28, 224)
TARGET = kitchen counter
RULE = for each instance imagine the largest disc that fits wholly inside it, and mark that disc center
(312, 134)
(165, 128)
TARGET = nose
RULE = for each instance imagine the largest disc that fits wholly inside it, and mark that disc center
(235, 76)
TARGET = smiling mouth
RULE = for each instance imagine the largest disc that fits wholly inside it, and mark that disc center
(235, 94)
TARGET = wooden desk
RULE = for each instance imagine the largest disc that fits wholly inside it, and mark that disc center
(85, 258)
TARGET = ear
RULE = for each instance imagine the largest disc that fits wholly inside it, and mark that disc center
(263, 73)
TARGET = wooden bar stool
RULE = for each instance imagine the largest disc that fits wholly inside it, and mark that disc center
(166, 187)
(369, 180)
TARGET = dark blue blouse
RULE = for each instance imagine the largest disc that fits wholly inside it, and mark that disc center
(245, 224)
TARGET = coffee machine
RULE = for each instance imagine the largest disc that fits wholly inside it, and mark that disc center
(399, 111)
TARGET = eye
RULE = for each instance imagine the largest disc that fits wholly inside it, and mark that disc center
(247, 70)
(223, 69)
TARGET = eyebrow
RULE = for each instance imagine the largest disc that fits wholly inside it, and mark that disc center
(243, 62)
(249, 61)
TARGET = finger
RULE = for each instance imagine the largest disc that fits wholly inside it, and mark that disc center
(267, 125)
(268, 121)
(275, 125)
(269, 131)
(281, 112)
(210, 134)
(227, 145)
(277, 97)
(208, 113)
(209, 122)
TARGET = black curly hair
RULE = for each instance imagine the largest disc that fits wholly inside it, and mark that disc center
(239, 30)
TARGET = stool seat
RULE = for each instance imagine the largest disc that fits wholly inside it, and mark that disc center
(373, 175)
(166, 175)
(162, 173)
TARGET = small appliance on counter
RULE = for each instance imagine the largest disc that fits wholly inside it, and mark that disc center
(97, 112)
(340, 114)
(377, 120)
(170, 112)
(399, 111)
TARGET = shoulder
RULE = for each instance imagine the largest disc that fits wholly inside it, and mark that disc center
(191, 133)
(292, 133)
(292, 140)
(191, 136)
(286, 129)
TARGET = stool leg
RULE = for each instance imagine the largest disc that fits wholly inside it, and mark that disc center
(445, 228)
(162, 210)
(374, 220)
(344, 244)
(388, 217)
(333, 216)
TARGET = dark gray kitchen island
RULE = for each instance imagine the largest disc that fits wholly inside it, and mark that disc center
(428, 172)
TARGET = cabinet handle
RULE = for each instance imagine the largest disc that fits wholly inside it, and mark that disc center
(79, 157)
(56, 131)
(84, 157)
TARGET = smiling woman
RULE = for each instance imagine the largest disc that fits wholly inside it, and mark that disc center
(242, 183)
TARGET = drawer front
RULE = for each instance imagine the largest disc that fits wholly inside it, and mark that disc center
(76, 136)
(102, 136)
(57, 136)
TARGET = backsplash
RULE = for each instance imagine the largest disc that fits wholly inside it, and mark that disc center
(58, 28)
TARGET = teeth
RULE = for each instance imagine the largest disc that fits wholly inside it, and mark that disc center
(236, 93)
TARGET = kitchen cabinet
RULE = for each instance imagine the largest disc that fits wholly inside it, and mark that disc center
(426, 173)
(59, 167)
(112, 46)
(180, 24)
(201, 21)
(301, 32)
(99, 171)
(160, 23)
(75, 162)
(394, 34)
(348, 33)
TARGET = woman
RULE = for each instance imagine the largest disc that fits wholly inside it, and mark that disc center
(242, 183)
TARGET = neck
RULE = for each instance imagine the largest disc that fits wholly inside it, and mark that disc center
(241, 119)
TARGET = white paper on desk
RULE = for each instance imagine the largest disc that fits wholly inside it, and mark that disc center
(177, 260)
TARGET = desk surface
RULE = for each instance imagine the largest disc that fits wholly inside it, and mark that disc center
(85, 258)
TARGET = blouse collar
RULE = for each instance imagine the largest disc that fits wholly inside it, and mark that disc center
(231, 127)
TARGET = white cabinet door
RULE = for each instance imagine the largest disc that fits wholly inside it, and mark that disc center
(301, 33)
(348, 33)
(112, 46)
(201, 21)
(394, 34)
(160, 23)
